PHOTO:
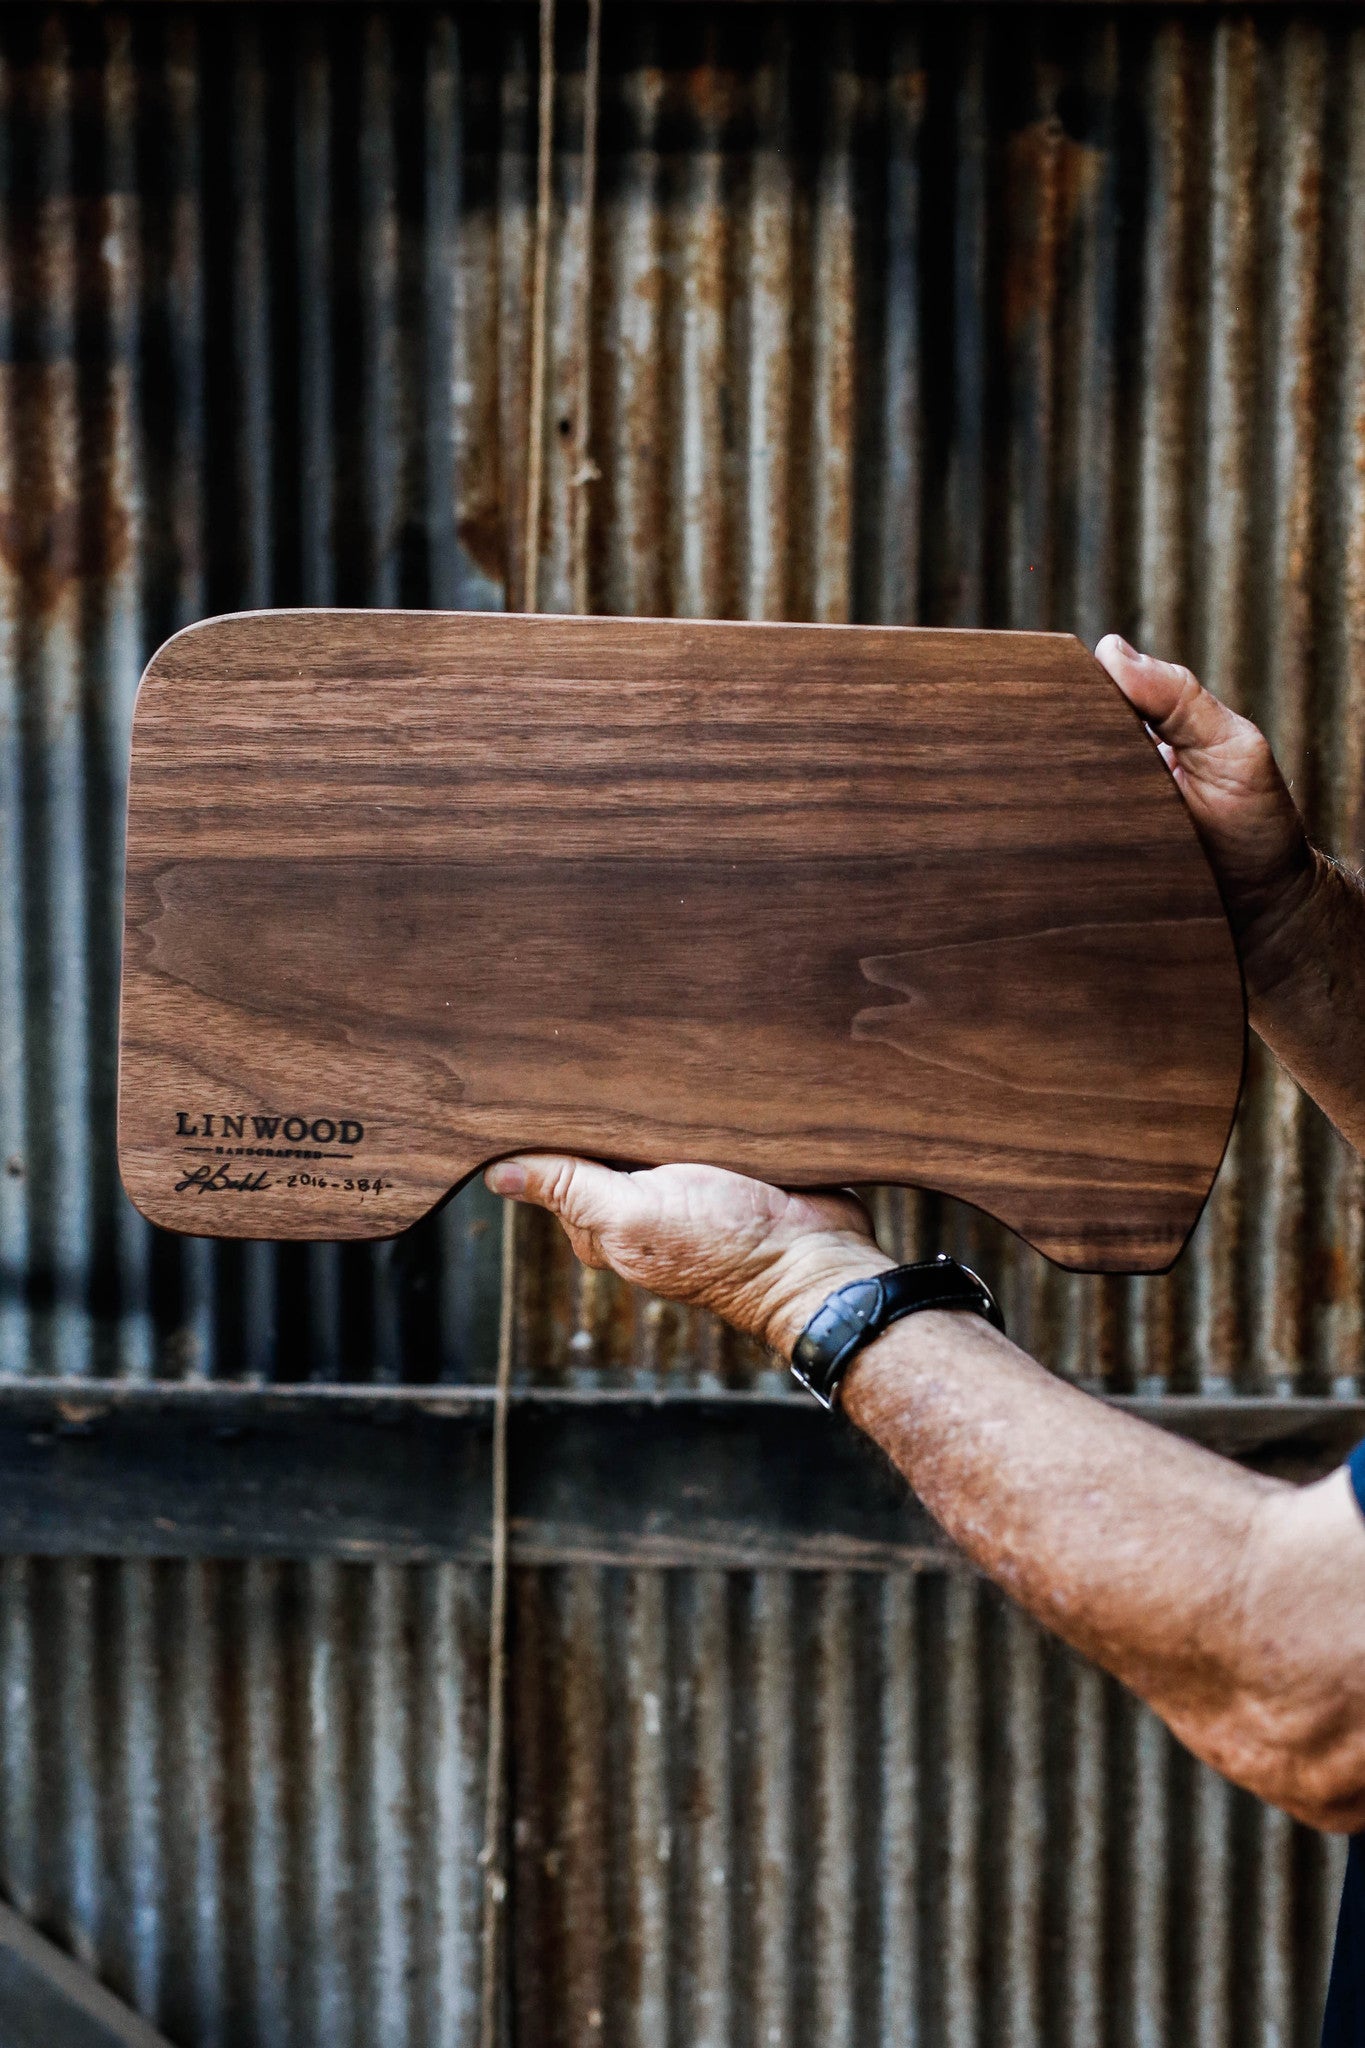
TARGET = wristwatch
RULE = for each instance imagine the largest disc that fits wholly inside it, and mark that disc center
(855, 1314)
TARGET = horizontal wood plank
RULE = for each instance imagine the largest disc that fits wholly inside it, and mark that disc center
(48, 2001)
(682, 1479)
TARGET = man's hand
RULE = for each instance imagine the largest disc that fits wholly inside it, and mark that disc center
(1298, 916)
(762, 1259)
(1238, 800)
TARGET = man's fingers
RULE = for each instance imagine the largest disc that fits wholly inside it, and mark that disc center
(584, 1195)
(1178, 709)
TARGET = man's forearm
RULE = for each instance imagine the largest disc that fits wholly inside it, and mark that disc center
(1150, 1555)
(1306, 986)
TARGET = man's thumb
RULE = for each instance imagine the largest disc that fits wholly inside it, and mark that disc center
(579, 1191)
(1174, 703)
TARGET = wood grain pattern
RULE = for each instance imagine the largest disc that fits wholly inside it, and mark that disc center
(407, 891)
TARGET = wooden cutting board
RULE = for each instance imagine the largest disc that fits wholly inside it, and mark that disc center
(407, 891)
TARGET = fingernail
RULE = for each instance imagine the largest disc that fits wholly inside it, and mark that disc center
(507, 1178)
(1124, 648)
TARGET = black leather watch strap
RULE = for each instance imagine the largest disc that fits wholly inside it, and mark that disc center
(857, 1313)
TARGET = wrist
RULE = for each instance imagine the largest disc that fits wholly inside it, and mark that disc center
(1296, 940)
(804, 1279)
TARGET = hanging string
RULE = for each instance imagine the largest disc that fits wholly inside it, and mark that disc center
(535, 453)
(493, 1856)
(586, 472)
(494, 1853)
(591, 1284)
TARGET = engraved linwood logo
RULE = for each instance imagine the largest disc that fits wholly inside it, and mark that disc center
(264, 1135)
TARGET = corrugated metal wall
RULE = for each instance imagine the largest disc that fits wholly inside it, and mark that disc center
(1020, 318)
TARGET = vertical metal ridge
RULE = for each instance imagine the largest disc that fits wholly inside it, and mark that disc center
(1077, 1867)
(703, 1900)
(388, 1997)
(898, 529)
(1146, 1933)
(833, 1901)
(448, 1618)
(899, 1877)
(644, 1903)
(328, 2001)
(124, 1239)
(963, 364)
(1211, 1937)
(134, 1958)
(772, 1792)
(831, 479)
(584, 1875)
(634, 228)
(21, 1783)
(767, 311)
(698, 485)
(382, 447)
(961, 1957)
(312, 128)
(443, 326)
(1020, 1945)
(16, 1254)
(263, 1932)
(196, 1711)
(46, 426)
(79, 1875)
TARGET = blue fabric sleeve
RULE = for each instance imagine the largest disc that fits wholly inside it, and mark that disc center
(1355, 1465)
(1343, 2024)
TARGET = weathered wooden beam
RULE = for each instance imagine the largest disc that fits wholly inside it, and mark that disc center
(49, 2001)
(683, 1478)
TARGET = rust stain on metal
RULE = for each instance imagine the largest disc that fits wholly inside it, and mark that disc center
(1056, 176)
(59, 526)
(482, 531)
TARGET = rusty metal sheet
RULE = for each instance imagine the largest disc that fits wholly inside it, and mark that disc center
(967, 315)
(951, 317)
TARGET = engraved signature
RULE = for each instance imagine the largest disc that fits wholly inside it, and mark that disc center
(216, 1180)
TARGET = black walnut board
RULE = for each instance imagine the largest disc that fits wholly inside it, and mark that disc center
(407, 891)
